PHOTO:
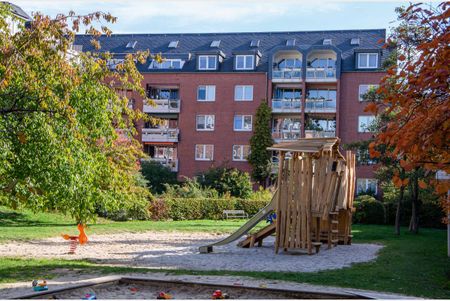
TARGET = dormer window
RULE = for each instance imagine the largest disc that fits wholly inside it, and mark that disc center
(290, 42)
(131, 44)
(173, 44)
(167, 64)
(245, 62)
(215, 44)
(327, 42)
(255, 43)
(207, 62)
(367, 60)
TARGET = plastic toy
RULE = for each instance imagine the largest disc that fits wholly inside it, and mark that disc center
(219, 295)
(164, 296)
(39, 286)
(271, 218)
(91, 296)
(81, 238)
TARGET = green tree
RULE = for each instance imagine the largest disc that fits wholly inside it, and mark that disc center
(59, 114)
(225, 180)
(157, 175)
(260, 157)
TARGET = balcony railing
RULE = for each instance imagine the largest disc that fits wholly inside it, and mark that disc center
(286, 135)
(319, 134)
(160, 135)
(320, 105)
(286, 74)
(322, 74)
(163, 106)
(286, 105)
(172, 164)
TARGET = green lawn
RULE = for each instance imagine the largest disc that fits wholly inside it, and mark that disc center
(410, 264)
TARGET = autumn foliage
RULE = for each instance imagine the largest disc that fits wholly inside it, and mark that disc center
(416, 92)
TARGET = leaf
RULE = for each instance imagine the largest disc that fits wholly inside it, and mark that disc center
(422, 184)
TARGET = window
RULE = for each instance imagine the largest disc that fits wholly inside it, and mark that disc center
(167, 64)
(254, 43)
(206, 93)
(241, 152)
(364, 123)
(131, 44)
(366, 185)
(363, 157)
(207, 62)
(113, 63)
(244, 62)
(363, 89)
(289, 64)
(243, 93)
(327, 42)
(173, 44)
(205, 123)
(215, 44)
(290, 42)
(242, 123)
(204, 152)
(367, 60)
(355, 41)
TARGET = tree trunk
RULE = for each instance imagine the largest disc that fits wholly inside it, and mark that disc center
(414, 222)
(399, 208)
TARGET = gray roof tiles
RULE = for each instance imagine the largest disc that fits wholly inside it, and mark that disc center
(235, 42)
(18, 11)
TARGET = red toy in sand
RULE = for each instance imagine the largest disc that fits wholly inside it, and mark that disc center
(81, 238)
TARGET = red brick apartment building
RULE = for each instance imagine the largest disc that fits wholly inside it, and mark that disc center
(209, 86)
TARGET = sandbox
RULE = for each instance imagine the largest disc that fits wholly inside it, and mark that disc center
(145, 288)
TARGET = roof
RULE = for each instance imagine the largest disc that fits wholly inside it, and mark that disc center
(192, 43)
(308, 145)
(18, 11)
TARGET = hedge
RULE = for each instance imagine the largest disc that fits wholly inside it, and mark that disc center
(196, 208)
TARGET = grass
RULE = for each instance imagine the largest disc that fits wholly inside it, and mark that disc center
(409, 264)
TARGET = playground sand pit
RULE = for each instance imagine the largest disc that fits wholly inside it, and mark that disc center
(141, 288)
(175, 250)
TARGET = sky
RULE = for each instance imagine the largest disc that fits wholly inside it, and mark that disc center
(183, 16)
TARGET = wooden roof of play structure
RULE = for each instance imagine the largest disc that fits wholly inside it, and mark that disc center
(310, 145)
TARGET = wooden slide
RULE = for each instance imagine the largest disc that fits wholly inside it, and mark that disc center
(252, 222)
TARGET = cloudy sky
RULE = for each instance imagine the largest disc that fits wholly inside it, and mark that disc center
(176, 16)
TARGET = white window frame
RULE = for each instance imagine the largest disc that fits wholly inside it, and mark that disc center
(208, 67)
(367, 54)
(210, 93)
(366, 184)
(205, 117)
(155, 65)
(243, 88)
(244, 57)
(240, 148)
(364, 129)
(242, 129)
(368, 86)
(204, 146)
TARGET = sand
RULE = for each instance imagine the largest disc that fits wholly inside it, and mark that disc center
(176, 250)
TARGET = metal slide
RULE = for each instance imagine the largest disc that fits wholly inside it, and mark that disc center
(262, 214)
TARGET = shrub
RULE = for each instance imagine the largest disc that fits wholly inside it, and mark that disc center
(158, 210)
(250, 206)
(227, 181)
(157, 175)
(189, 189)
(369, 210)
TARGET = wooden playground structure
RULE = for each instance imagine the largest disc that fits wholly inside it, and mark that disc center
(314, 199)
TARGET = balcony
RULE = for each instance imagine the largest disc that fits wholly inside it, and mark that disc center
(160, 135)
(320, 105)
(286, 75)
(286, 105)
(319, 134)
(320, 74)
(172, 164)
(163, 106)
(285, 136)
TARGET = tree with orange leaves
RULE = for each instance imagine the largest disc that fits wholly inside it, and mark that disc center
(416, 91)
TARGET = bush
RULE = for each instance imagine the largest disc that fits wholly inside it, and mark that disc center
(189, 189)
(157, 175)
(369, 210)
(201, 208)
(230, 181)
